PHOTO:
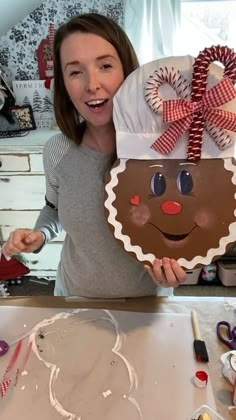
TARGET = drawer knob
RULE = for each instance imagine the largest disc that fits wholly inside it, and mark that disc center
(0, 164)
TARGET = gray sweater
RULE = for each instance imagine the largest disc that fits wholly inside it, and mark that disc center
(93, 263)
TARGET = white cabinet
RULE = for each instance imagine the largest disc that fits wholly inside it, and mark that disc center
(22, 192)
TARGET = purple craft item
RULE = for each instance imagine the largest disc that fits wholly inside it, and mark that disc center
(3, 347)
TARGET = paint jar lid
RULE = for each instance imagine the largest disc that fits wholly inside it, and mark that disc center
(200, 378)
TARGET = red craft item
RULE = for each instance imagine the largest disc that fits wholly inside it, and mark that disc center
(12, 268)
(4, 386)
(47, 83)
(45, 55)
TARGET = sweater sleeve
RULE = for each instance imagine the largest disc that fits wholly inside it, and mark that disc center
(48, 220)
(48, 223)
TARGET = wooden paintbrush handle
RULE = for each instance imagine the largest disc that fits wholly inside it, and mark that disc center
(196, 330)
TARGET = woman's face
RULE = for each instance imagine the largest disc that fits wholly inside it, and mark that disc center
(92, 73)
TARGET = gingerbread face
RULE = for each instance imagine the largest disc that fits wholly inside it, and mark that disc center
(173, 208)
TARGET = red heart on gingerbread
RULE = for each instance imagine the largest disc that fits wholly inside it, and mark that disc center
(135, 200)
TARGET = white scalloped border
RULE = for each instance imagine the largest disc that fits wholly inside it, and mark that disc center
(113, 213)
(151, 257)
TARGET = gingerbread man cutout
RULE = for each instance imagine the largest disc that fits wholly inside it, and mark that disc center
(171, 192)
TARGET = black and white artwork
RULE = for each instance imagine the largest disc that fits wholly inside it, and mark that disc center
(18, 46)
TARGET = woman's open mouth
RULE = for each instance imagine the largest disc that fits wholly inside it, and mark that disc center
(96, 105)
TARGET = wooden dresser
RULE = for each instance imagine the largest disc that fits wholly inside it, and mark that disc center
(22, 192)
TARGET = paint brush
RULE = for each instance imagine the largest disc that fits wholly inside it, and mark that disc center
(198, 344)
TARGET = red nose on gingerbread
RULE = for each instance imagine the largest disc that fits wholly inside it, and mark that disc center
(171, 207)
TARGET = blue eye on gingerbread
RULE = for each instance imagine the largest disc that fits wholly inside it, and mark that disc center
(184, 182)
(158, 184)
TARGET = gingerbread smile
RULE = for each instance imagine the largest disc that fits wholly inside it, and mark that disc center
(171, 236)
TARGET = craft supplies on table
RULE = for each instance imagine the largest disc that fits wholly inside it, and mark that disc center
(199, 345)
(4, 347)
(227, 334)
(138, 363)
(205, 413)
(227, 273)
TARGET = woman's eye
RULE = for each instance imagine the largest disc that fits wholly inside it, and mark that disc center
(106, 66)
(158, 184)
(75, 72)
(184, 182)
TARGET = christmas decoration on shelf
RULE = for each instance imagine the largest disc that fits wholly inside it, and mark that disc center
(45, 55)
(36, 94)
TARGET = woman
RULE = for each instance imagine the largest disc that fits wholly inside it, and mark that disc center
(93, 56)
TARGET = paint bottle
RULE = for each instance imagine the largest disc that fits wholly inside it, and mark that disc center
(209, 272)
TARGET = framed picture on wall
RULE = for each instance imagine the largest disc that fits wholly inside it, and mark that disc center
(35, 94)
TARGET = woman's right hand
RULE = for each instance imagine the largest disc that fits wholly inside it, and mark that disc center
(23, 240)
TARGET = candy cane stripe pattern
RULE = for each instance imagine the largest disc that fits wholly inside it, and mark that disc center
(199, 83)
(10, 376)
(159, 77)
(51, 33)
(196, 111)
(4, 386)
(222, 139)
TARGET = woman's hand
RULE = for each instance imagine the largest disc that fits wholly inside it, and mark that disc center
(23, 240)
(166, 272)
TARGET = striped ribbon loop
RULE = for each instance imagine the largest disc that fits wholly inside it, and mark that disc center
(11, 377)
(180, 112)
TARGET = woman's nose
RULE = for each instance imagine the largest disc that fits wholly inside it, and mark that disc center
(171, 207)
(92, 82)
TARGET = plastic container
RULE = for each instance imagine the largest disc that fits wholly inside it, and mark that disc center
(227, 273)
(205, 409)
(192, 276)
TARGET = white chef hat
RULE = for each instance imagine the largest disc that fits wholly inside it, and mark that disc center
(200, 122)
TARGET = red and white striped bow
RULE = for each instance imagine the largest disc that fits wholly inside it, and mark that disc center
(180, 113)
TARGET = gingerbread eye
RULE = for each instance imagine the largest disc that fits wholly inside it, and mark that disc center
(158, 184)
(184, 182)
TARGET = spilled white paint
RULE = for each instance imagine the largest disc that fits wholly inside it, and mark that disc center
(24, 373)
(54, 370)
(107, 393)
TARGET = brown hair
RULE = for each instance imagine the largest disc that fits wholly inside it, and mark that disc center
(68, 118)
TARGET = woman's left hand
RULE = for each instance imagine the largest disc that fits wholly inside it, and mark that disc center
(166, 272)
